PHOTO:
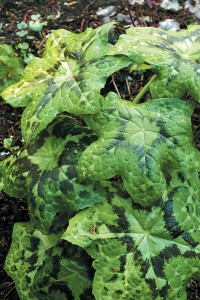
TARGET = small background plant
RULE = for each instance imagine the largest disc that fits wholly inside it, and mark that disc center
(11, 66)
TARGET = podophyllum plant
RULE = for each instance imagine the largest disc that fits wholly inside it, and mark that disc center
(112, 185)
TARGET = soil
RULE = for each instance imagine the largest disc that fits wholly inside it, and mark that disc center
(75, 16)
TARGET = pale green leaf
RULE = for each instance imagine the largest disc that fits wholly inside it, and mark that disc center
(68, 78)
(173, 56)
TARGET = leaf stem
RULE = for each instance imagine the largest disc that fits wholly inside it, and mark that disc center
(143, 90)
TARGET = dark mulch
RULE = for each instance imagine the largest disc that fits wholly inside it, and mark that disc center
(74, 16)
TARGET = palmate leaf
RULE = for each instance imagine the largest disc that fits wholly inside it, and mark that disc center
(66, 273)
(173, 56)
(142, 253)
(68, 78)
(26, 254)
(33, 254)
(46, 174)
(139, 143)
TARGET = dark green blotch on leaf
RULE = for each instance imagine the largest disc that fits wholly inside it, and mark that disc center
(56, 266)
(159, 261)
(34, 244)
(32, 260)
(66, 186)
(128, 241)
(122, 263)
(122, 221)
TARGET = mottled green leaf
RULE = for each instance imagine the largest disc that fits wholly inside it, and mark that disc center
(65, 273)
(139, 143)
(25, 256)
(68, 78)
(173, 56)
(42, 268)
(13, 179)
(149, 253)
(46, 174)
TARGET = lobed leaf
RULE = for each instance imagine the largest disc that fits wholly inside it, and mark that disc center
(151, 253)
(41, 266)
(61, 80)
(173, 56)
(46, 174)
(25, 256)
(66, 272)
(139, 143)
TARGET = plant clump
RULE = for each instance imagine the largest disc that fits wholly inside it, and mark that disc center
(92, 236)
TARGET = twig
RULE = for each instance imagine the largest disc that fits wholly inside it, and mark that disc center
(143, 19)
(129, 12)
(82, 24)
(116, 88)
(128, 86)
(27, 15)
(195, 288)
(50, 3)
(8, 293)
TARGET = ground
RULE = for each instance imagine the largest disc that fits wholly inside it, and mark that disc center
(74, 16)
